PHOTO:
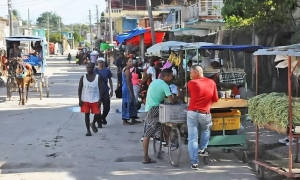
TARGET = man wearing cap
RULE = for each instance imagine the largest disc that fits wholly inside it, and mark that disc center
(94, 57)
(105, 75)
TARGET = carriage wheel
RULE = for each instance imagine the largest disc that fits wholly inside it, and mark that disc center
(47, 85)
(47, 89)
(41, 90)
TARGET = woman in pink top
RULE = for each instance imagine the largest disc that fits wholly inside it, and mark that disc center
(136, 75)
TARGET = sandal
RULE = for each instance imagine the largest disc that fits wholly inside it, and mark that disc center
(150, 161)
(94, 128)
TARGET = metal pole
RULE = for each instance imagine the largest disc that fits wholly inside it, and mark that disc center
(90, 17)
(48, 34)
(28, 19)
(59, 29)
(29, 29)
(73, 36)
(110, 22)
(80, 30)
(142, 47)
(151, 22)
(10, 17)
(135, 5)
(98, 29)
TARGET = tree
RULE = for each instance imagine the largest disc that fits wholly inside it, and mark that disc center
(16, 15)
(272, 21)
(77, 37)
(80, 27)
(268, 16)
(102, 20)
(54, 20)
(56, 37)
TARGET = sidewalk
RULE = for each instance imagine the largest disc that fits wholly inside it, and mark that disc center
(269, 149)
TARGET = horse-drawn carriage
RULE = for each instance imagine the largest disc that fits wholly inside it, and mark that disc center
(26, 70)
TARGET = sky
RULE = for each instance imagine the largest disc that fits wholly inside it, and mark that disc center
(71, 11)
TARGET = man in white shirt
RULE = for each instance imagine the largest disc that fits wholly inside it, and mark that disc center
(89, 94)
(151, 70)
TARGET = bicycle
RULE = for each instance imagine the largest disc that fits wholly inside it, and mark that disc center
(171, 135)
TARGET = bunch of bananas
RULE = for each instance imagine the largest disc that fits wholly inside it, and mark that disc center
(174, 59)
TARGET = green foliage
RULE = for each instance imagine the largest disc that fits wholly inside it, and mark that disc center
(267, 15)
(77, 37)
(54, 20)
(56, 37)
(78, 27)
(87, 44)
(102, 20)
(16, 14)
(273, 108)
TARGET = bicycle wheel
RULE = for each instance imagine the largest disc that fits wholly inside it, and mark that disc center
(174, 146)
(157, 145)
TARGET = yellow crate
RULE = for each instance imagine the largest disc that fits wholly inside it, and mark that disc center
(232, 120)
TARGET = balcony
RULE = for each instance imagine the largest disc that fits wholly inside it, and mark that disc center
(205, 9)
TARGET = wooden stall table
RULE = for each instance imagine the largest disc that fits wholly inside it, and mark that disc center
(230, 103)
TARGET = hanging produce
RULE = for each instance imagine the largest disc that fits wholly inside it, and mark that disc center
(174, 59)
(273, 108)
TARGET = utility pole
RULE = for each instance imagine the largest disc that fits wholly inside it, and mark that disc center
(73, 43)
(59, 30)
(10, 17)
(151, 22)
(110, 22)
(98, 23)
(28, 19)
(90, 17)
(48, 34)
(135, 5)
(29, 28)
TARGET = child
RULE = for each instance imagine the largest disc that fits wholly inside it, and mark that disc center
(90, 93)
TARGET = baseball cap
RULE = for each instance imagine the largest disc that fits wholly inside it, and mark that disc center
(101, 59)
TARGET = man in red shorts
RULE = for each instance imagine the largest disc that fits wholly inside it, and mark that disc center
(90, 93)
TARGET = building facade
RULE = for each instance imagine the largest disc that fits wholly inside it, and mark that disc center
(195, 17)
(4, 31)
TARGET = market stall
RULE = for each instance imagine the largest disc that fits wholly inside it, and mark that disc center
(228, 113)
(278, 111)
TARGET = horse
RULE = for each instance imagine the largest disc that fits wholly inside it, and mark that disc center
(24, 76)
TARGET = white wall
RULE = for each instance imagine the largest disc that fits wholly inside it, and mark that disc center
(197, 32)
(4, 32)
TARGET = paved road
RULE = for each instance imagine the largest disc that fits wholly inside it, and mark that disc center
(43, 140)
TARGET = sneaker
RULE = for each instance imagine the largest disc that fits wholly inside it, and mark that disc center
(293, 143)
(203, 152)
(126, 122)
(194, 166)
(284, 140)
(104, 122)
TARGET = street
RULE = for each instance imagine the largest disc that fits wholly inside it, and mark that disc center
(43, 140)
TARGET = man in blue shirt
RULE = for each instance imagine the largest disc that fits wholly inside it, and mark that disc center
(105, 75)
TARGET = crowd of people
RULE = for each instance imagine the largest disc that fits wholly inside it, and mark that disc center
(156, 79)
